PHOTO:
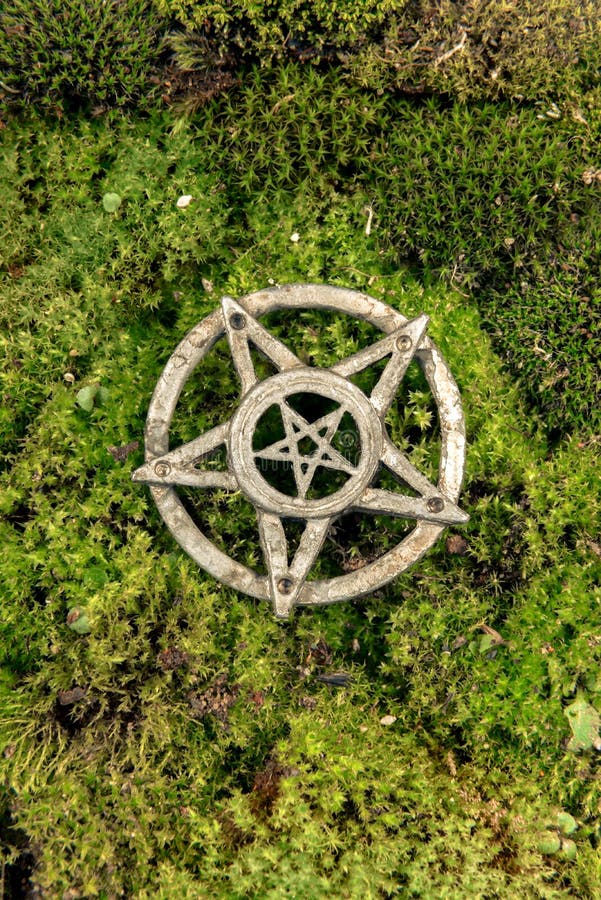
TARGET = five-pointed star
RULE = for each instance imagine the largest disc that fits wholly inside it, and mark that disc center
(319, 433)
(181, 466)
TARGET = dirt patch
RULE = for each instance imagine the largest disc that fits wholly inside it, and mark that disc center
(172, 658)
(120, 454)
(68, 698)
(215, 701)
(266, 786)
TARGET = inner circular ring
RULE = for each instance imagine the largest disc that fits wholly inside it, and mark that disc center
(274, 391)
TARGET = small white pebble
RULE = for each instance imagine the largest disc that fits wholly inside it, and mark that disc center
(362, 728)
(184, 200)
(295, 237)
(69, 377)
(387, 720)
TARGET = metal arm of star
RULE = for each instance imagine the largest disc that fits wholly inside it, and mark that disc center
(180, 466)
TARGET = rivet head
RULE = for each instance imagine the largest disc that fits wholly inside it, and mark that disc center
(404, 343)
(285, 585)
(162, 469)
(435, 504)
(238, 321)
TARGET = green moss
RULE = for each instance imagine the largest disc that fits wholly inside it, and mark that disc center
(64, 54)
(268, 30)
(486, 51)
(183, 743)
(497, 199)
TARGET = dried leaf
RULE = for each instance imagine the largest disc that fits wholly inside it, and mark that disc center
(456, 544)
(120, 454)
(172, 658)
(216, 700)
(68, 698)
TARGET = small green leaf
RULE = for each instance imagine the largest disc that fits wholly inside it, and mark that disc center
(111, 202)
(567, 824)
(585, 723)
(77, 620)
(569, 850)
(486, 642)
(549, 844)
(593, 682)
(87, 396)
(96, 577)
(102, 396)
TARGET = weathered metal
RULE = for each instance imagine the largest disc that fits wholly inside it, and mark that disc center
(306, 445)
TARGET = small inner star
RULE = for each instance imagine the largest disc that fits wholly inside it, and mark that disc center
(307, 445)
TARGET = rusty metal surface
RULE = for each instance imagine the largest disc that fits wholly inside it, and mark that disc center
(306, 446)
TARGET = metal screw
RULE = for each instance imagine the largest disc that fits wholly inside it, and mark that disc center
(285, 585)
(238, 321)
(435, 504)
(162, 469)
(404, 343)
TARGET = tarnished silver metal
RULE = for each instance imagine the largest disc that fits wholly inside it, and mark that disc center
(306, 444)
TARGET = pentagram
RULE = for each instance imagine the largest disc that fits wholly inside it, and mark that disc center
(307, 444)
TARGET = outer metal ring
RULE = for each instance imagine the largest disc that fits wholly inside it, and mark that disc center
(192, 349)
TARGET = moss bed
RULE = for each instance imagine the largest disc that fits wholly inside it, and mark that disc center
(163, 736)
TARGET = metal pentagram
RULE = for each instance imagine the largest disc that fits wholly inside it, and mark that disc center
(324, 482)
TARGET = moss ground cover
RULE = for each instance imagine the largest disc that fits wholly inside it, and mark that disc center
(477, 51)
(58, 55)
(163, 736)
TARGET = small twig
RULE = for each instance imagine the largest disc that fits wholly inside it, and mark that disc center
(10, 90)
(337, 679)
(285, 99)
(453, 50)
(453, 285)
(365, 274)
(594, 439)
